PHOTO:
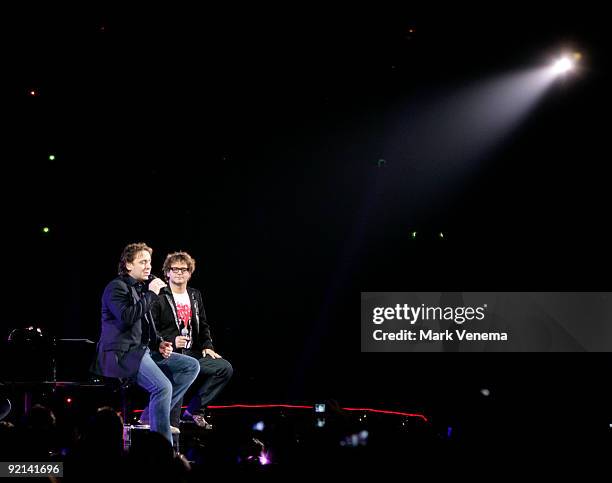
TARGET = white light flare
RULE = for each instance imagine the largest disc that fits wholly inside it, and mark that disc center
(563, 65)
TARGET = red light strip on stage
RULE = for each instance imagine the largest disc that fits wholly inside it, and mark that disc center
(293, 406)
(290, 406)
(382, 411)
(379, 411)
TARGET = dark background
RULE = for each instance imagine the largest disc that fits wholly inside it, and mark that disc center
(250, 138)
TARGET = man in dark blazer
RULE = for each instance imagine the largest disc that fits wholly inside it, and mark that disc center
(129, 345)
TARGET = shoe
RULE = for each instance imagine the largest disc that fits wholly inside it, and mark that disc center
(143, 425)
(198, 419)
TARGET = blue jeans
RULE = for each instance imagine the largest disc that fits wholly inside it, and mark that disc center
(166, 380)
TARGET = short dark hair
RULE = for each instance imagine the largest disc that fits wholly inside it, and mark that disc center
(129, 254)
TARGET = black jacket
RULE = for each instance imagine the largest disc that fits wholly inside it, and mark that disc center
(169, 326)
(127, 328)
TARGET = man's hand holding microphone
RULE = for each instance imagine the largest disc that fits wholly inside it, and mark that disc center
(156, 284)
(183, 341)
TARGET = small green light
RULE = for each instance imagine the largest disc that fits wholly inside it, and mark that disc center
(414, 234)
(52, 157)
(441, 235)
(45, 229)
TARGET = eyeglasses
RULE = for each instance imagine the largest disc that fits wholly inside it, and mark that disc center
(179, 270)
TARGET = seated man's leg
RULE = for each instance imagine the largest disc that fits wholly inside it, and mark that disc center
(152, 379)
(215, 373)
(181, 370)
(175, 413)
(144, 417)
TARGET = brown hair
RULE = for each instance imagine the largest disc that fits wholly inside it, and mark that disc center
(178, 257)
(129, 254)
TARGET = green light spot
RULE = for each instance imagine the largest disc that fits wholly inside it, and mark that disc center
(414, 234)
(52, 157)
(441, 235)
(46, 229)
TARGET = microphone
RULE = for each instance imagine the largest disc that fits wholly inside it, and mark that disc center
(152, 277)
(185, 333)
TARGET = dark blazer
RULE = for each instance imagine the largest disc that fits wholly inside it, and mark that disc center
(127, 328)
(169, 326)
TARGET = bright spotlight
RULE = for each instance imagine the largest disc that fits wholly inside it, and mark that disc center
(563, 65)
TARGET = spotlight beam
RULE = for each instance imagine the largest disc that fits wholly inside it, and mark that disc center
(439, 139)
